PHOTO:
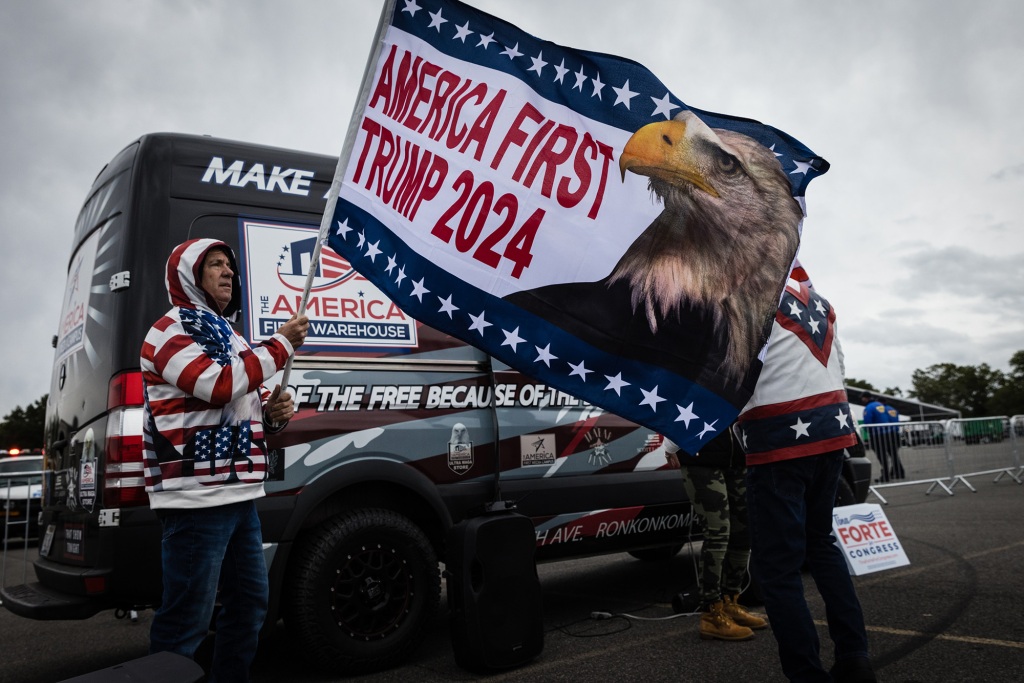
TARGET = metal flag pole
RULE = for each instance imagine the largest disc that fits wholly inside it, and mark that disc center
(339, 172)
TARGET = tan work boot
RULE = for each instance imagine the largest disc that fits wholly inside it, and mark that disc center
(715, 623)
(741, 616)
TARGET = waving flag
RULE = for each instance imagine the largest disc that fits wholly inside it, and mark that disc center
(565, 212)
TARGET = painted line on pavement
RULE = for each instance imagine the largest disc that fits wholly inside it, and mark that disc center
(942, 636)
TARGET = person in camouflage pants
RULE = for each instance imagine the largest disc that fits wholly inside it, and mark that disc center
(715, 482)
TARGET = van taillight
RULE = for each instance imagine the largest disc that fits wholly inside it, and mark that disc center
(125, 480)
(125, 390)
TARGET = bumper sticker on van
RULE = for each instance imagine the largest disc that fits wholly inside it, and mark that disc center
(345, 310)
(537, 450)
(74, 541)
(460, 450)
(87, 471)
(597, 439)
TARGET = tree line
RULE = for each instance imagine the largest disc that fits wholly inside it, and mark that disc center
(23, 427)
(974, 390)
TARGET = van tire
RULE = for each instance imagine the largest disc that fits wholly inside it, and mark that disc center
(363, 591)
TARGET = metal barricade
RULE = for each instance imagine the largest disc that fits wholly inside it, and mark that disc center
(915, 453)
(983, 445)
(1017, 441)
(18, 491)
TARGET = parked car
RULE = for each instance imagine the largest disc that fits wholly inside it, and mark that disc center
(922, 434)
(978, 430)
(21, 495)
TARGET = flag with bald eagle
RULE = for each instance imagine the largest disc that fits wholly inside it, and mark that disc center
(564, 211)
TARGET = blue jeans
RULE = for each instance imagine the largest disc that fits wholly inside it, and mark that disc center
(205, 549)
(790, 514)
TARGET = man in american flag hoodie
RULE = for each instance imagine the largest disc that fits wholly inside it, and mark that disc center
(794, 430)
(206, 412)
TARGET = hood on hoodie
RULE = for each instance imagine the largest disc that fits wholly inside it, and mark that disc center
(184, 275)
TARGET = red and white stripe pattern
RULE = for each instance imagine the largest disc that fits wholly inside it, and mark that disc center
(175, 358)
(331, 265)
(204, 398)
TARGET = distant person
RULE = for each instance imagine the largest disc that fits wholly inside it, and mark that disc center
(794, 430)
(896, 470)
(714, 480)
(875, 414)
(205, 416)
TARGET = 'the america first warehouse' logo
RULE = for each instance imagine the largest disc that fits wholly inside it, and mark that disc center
(344, 309)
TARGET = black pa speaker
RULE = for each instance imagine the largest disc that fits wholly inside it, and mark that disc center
(494, 592)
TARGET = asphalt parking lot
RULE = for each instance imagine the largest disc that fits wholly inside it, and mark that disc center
(953, 614)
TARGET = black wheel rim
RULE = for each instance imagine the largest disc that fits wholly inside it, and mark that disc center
(372, 592)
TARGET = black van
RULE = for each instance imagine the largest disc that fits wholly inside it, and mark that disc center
(401, 430)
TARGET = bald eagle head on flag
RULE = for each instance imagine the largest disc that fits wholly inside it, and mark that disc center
(716, 257)
(725, 240)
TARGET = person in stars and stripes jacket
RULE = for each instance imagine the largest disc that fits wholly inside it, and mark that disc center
(794, 430)
(205, 414)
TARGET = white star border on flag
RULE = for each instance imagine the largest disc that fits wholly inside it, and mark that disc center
(661, 107)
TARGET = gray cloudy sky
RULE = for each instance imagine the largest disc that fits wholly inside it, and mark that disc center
(916, 234)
